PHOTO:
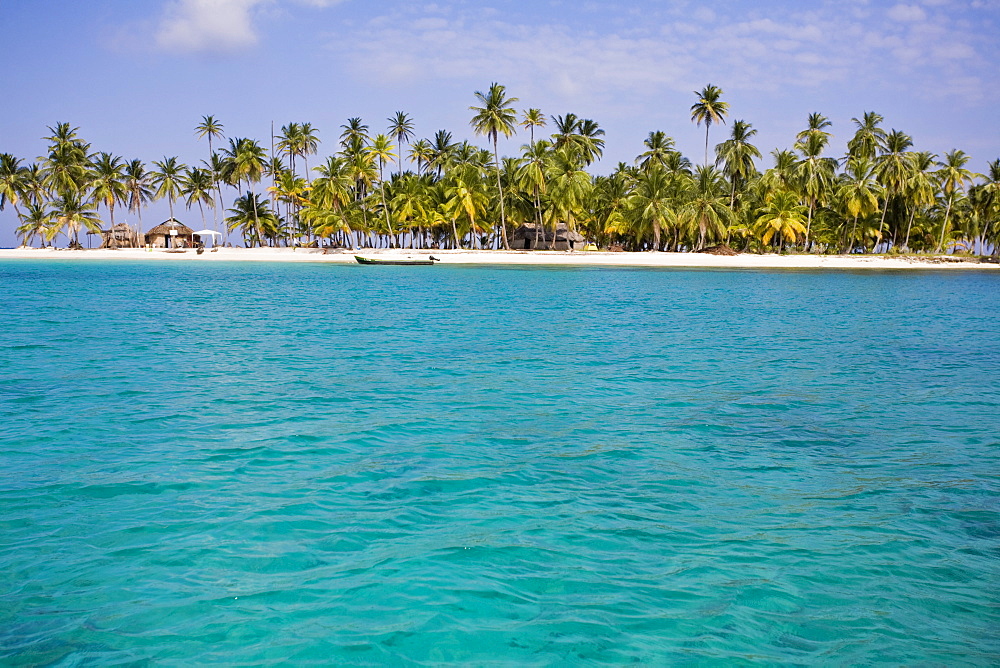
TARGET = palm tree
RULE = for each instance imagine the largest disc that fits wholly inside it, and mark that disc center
(894, 168)
(354, 129)
(814, 174)
(569, 188)
(167, 180)
(952, 176)
(868, 136)
(816, 125)
(72, 212)
(245, 160)
(495, 117)
(253, 218)
(137, 183)
(421, 152)
(11, 181)
(651, 203)
(308, 144)
(442, 149)
(212, 129)
(709, 109)
(466, 197)
(736, 155)
(531, 177)
(196, 186)
(990, 202)
(582, 136)
(382, 150)
(107, 184)
(859, 192)
(781, 216)
(292, 190)
(401, 128)
(659, 147)
(35, 222)
(920, 188)
(707, 210)
(533, 118)
(65, 167)
(289, 142)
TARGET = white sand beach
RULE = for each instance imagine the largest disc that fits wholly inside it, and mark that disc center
(581, 258)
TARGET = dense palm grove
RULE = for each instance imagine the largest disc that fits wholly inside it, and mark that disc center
(881, 196)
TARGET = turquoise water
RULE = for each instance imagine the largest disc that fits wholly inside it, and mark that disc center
(254, 463)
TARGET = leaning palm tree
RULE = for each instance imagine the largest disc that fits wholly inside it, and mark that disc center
(709, 109)
(167, 180)
(401, 128)
(494, 118)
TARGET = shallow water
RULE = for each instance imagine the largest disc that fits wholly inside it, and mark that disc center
(252, 463)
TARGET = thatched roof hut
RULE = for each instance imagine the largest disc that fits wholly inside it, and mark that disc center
(564, 239)
(171, 234)
(122, 235)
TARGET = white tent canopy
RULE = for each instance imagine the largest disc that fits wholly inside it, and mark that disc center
(202, 233)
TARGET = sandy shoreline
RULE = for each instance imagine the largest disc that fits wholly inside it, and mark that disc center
(580, 258)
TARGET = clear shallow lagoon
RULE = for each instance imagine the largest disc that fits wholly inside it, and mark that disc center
(240, 463)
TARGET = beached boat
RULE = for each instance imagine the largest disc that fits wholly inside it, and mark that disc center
(395, 260)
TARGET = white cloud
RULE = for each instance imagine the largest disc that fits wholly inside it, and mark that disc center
(911, 48)
(906, 13)
(208, 25)
(216, 25)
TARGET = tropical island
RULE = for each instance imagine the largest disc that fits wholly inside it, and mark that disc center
(881, 197)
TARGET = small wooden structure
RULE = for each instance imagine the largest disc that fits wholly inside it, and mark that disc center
(524, 238)
(122, 235)
(172, 234)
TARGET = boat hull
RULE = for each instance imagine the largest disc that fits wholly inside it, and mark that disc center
(379, 260)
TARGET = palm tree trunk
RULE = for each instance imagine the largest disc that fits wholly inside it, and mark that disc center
(808, 224)
(707, 126)
(503, 217)
(906, 242)
(944, 225)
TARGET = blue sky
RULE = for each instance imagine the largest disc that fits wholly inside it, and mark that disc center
(136, 76)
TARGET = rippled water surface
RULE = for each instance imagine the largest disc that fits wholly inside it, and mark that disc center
(239, 463)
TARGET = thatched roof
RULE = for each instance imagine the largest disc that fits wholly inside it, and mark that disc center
(527, 231)
(171, 224)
